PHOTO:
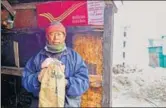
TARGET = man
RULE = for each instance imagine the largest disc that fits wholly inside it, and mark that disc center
(76, 72)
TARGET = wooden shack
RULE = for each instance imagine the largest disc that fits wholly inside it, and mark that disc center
(24, 38)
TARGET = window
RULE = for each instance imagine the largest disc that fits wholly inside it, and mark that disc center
(123, 54)
(123, 64)
(125, 34)
(124, 44)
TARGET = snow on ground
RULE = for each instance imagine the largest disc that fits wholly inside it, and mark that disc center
(145, 88)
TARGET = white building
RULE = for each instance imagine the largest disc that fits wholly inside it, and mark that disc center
(146, 20)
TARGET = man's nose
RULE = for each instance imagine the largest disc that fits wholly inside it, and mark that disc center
(55, 36)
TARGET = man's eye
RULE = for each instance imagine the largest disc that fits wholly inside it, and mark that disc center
(51, 34)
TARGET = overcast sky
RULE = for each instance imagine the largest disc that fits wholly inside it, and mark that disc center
(147, 19)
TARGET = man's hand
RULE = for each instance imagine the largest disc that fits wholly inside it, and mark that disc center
(45, 65)
(62, 67)
(46, 62)
(41, 74)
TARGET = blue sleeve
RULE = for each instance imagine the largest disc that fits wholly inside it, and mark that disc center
(79, 82)
(30, 77)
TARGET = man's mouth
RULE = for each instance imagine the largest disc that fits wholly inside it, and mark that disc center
(57, 42)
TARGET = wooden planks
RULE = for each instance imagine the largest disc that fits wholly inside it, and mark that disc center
(8, 7)
(25, 19)
(107, 55)
(16, 53)
(89, 46)
(25, 5)
(11, 71)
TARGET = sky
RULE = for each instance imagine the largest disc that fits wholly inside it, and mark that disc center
(145, 19)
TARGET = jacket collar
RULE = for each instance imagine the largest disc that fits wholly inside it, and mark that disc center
(44, 52)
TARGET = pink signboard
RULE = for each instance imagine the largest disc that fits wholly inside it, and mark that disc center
(71, 13)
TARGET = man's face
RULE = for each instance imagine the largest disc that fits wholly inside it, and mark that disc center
(56, 37)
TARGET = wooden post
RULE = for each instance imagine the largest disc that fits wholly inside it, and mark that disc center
(11, 71)
(16, 53)
(8, 7)
(107, 55)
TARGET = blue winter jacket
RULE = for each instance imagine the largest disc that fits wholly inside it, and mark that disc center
(76, 72)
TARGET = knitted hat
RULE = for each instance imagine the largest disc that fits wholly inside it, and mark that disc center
(55, 26)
